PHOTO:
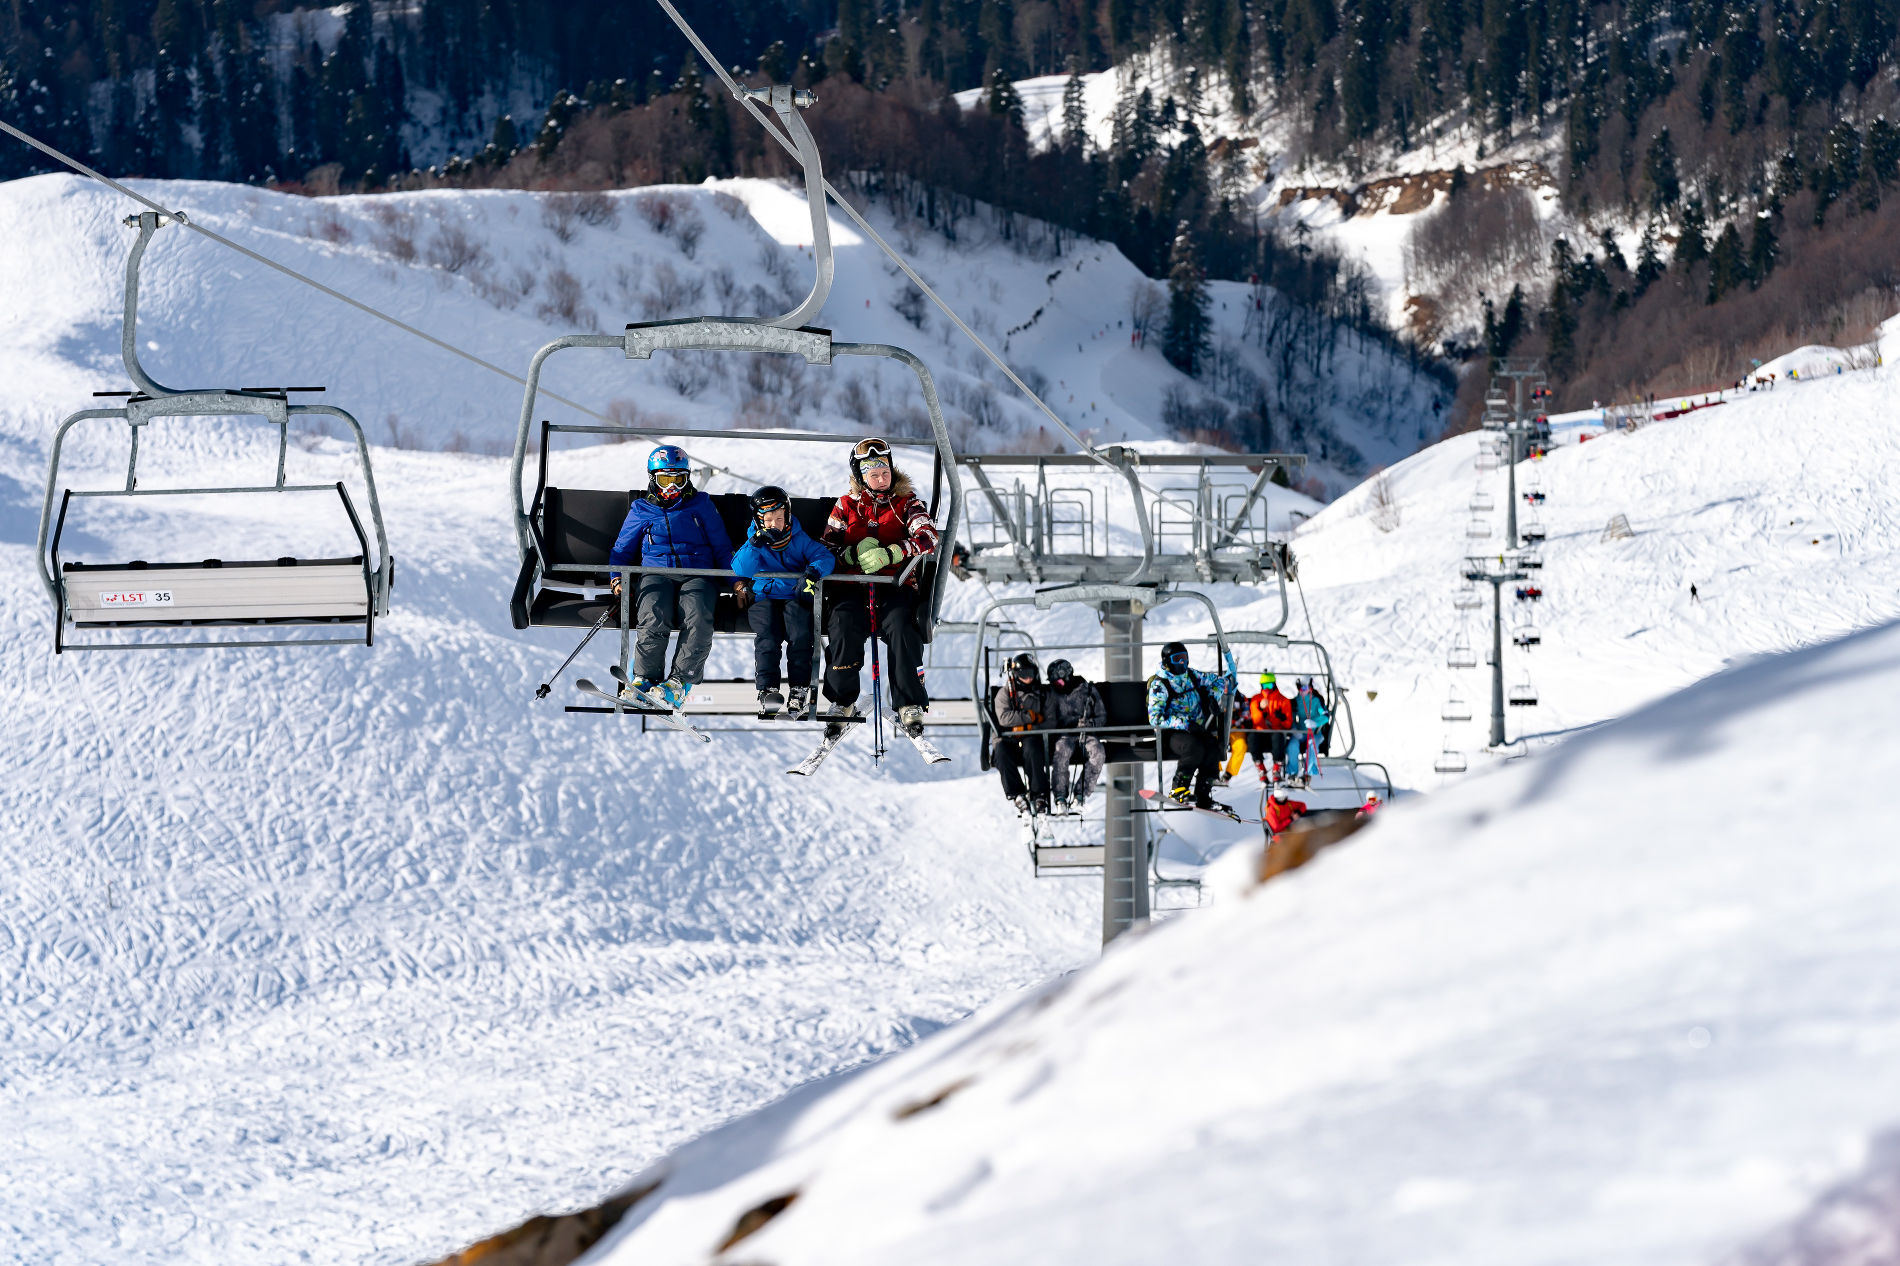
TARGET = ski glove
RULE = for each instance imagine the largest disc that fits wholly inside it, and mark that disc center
(808, 588)
(873, 557)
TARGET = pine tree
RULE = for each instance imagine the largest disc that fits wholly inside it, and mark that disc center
(1649, 265)
(1659, 167)
(1763, 250)
(1075, 119)
(1728, 266)
(1560, 329)
(1692, 242)
(1186, 341)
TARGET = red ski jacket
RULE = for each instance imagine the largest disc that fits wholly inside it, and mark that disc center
(1280, 813)
(896, 518)
(1271, 710)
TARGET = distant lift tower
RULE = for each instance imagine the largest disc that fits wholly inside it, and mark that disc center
(1120, 533)
(1511, 410)
(1497, 572)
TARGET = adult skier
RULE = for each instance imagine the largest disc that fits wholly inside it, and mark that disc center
(877, 528)
(671, 524)
(779, 609)
(1075, 704)
(1187, 706)
(1018, 752)
(1310, 719)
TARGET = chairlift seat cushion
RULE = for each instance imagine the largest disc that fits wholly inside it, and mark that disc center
(216, 591)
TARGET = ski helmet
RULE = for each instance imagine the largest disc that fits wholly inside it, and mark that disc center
(1268, 681)
(870, 450)
(1023, 667)
(1174, 657)
(769, 498)
(1279, 794)
(669, 473)
(1060, 670)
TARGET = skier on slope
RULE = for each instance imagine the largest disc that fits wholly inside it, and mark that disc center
(1019, 753)
(780, 611)
(671, 524)
(877, 528)
(1310, 720)
(1281, 812)
(1075, 704)
(1187, 705)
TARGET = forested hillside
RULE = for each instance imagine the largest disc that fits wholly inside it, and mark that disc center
(1698, 150)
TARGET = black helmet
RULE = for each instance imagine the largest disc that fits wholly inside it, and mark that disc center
(1174, 657)
(1023, 667)
(771, 497)
(1060, 670)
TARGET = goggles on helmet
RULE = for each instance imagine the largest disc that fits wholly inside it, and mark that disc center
(671, 478)
(871, 448)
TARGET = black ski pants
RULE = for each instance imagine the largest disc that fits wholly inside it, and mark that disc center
(780, 624)
(1198, 755)
(1020, 759)
(849, 628)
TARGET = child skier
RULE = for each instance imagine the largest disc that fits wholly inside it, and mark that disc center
(1075, 704)
(671, 524)
(1187, 705)
(1018, 752)
(780, 609)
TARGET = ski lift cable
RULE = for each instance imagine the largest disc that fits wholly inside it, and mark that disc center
(740, 94)
(312, 282)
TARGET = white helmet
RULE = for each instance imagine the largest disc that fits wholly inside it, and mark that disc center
(1279, 793)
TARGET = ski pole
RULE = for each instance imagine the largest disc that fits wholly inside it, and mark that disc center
(877, 698)
(541, 691)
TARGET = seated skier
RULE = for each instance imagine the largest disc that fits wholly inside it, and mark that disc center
(1075, 704)
(1281, 812)
(1018, 752)
(1187, 705)
(780, 610)
(671, 524)
(1311, 723)
(877, 528)
(1272, 716)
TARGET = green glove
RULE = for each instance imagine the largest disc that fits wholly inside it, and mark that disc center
(873, 557)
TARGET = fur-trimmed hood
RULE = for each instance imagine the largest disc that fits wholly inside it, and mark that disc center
(900, 486)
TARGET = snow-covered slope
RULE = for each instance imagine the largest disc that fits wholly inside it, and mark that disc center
(1634, 1001)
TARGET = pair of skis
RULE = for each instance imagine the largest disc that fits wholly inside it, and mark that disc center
(809, 766)
(1215, 809)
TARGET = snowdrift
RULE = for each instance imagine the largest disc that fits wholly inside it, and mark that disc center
(1584, 1008)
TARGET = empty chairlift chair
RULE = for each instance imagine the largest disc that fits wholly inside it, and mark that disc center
(1482, 502)
(1522, 694)
(1450, 761)
(1461, 655)
(276, 601)
(1533, 531)
(1456, 709)
(1467, 597)
(1478, 528)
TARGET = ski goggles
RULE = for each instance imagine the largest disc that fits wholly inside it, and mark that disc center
(867, 449)
(671, 478)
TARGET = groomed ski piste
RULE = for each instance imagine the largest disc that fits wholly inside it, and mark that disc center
(359, 955)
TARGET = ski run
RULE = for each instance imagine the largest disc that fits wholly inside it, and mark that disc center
(360, 955)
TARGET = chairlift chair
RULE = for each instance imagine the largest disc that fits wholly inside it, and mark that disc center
(1522, 694)
(1482, 502)
(1530, 560)
(565, 535)
(1450, 761)
(1456, 709)
(1461, 655)
(1532, 531)
(1467, 597)
(274, 601)
(1478, 529)
(1488, 460)
(1527, 636)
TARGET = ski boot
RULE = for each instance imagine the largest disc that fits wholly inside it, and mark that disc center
(770, 701)
(632, 690)
(1223, 778)
(1022, 805)
(835, 728)
(674, 691)
(910, 718)
(1180, 793)
(798, 701)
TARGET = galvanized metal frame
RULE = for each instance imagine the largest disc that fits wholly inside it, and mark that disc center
(153, 400)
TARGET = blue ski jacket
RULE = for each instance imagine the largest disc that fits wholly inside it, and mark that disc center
(686, 535)
(797, 554)
(1309, 708)
(1177, 701)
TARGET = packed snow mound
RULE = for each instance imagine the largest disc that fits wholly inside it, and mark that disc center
(1581, 1008)
(500, 273)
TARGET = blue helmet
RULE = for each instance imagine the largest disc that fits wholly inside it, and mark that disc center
(668, 457)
